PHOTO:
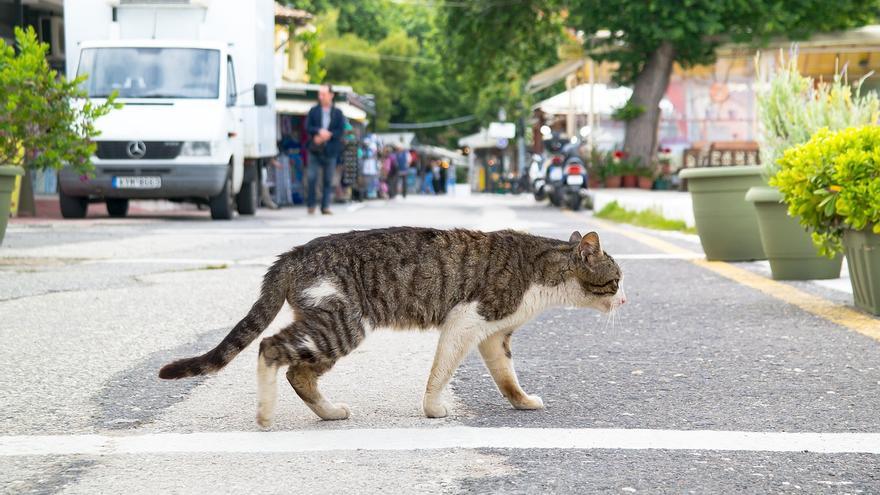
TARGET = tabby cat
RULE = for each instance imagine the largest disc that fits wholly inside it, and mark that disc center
(475, 287)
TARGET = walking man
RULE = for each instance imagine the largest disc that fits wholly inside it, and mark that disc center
(326, 127)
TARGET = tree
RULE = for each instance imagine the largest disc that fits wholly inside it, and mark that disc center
(647, 37)
(45, 121)
(497, 46)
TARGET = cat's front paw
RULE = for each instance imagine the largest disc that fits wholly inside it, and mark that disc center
(529, 403)
(436, 409)
(264, 421)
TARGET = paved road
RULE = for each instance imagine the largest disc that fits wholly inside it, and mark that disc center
(709, 380)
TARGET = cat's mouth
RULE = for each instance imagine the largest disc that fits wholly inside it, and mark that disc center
(614, 302)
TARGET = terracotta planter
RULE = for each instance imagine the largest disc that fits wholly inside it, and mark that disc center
(594, 183)
(726, 222)
(645, 183)
(630, 181)
(613, 181)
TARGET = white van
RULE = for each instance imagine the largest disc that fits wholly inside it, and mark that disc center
(196, 82)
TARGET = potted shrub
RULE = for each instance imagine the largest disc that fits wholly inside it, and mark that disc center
(791, 109)
(628, 175)
(832, 184)
(42, 127)
(612, 170)
(645, 177)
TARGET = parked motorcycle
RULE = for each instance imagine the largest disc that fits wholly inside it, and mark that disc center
(574, 190)
(536, 177)
(571, 188)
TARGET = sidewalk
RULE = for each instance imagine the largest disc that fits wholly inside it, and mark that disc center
(671, 204)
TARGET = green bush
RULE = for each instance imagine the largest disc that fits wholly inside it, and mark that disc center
(43, 123)
(832, 183)
(461, 175)
(791, 109)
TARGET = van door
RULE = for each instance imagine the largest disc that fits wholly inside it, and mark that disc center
(235, 125)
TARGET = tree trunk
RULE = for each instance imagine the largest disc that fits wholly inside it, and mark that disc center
(650, 86)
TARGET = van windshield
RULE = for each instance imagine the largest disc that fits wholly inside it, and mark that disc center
(138, 72)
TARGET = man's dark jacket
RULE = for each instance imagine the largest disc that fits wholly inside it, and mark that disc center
(333, 147)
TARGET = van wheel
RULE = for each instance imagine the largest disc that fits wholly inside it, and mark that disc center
(222, 205)
(73, 206)
(117, 207)
(246, 199)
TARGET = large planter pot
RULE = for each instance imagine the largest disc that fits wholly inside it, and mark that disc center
(8, 174)
(612, 181)
(630, 181)
(862, 249)
(726, 222)
(646, 182)
(786, 243)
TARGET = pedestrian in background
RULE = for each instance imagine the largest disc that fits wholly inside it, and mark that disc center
(326, 127)
(370, 169)
(402, 159)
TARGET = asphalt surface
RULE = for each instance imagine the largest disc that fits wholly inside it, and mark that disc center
(98, 305)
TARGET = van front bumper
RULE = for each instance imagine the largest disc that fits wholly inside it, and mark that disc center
(177, 181)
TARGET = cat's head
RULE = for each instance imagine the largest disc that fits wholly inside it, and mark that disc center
(598, 275)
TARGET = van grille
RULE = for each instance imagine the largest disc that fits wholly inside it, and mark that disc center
(118, 150)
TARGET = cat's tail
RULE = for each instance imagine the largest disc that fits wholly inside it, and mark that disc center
(258, 318)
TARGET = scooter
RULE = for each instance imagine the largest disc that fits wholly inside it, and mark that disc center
(536, 177)
(574, 190)
(554, 182)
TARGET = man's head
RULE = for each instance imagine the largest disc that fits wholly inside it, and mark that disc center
(325, 95)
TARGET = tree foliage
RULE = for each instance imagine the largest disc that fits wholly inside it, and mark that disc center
(44, 123)
(485, 36)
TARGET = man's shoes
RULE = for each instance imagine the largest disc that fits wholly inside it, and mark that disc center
(326, 212)
(312, 210)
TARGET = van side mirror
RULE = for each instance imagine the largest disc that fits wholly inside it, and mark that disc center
(261, 95)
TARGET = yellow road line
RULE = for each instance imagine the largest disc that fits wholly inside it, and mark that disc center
(823, 308)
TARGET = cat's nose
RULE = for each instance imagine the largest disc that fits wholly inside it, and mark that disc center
(622, 297)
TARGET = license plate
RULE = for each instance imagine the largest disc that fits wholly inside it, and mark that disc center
(137, 182)
(555, 173)
(574, 180)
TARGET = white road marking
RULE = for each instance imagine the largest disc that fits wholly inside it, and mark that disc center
(459, 437)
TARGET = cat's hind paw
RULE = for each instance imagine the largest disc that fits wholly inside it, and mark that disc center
(530, 402)
(436, 410)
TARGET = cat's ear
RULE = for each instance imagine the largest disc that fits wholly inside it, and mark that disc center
(589, 247)
(575, 237)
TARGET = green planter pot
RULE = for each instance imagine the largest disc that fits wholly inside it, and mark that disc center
(726, 222)
(863, 259)
(8, 174)
(786, 243)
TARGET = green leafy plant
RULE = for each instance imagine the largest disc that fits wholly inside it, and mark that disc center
(627, 112)
(792, 109)
(832, 183)
(644, 172)
(45, 122)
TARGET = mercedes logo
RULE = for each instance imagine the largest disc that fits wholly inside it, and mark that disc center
(136, 149)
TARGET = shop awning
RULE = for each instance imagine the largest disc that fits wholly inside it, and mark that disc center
(605, 101)
(479, 140)
(549, 77)
(290, 106)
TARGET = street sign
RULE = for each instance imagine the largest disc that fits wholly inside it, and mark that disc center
(502, 130)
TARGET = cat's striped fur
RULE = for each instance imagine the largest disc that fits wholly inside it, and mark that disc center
(475, 287)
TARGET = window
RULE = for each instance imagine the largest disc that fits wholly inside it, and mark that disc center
(230, 83)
